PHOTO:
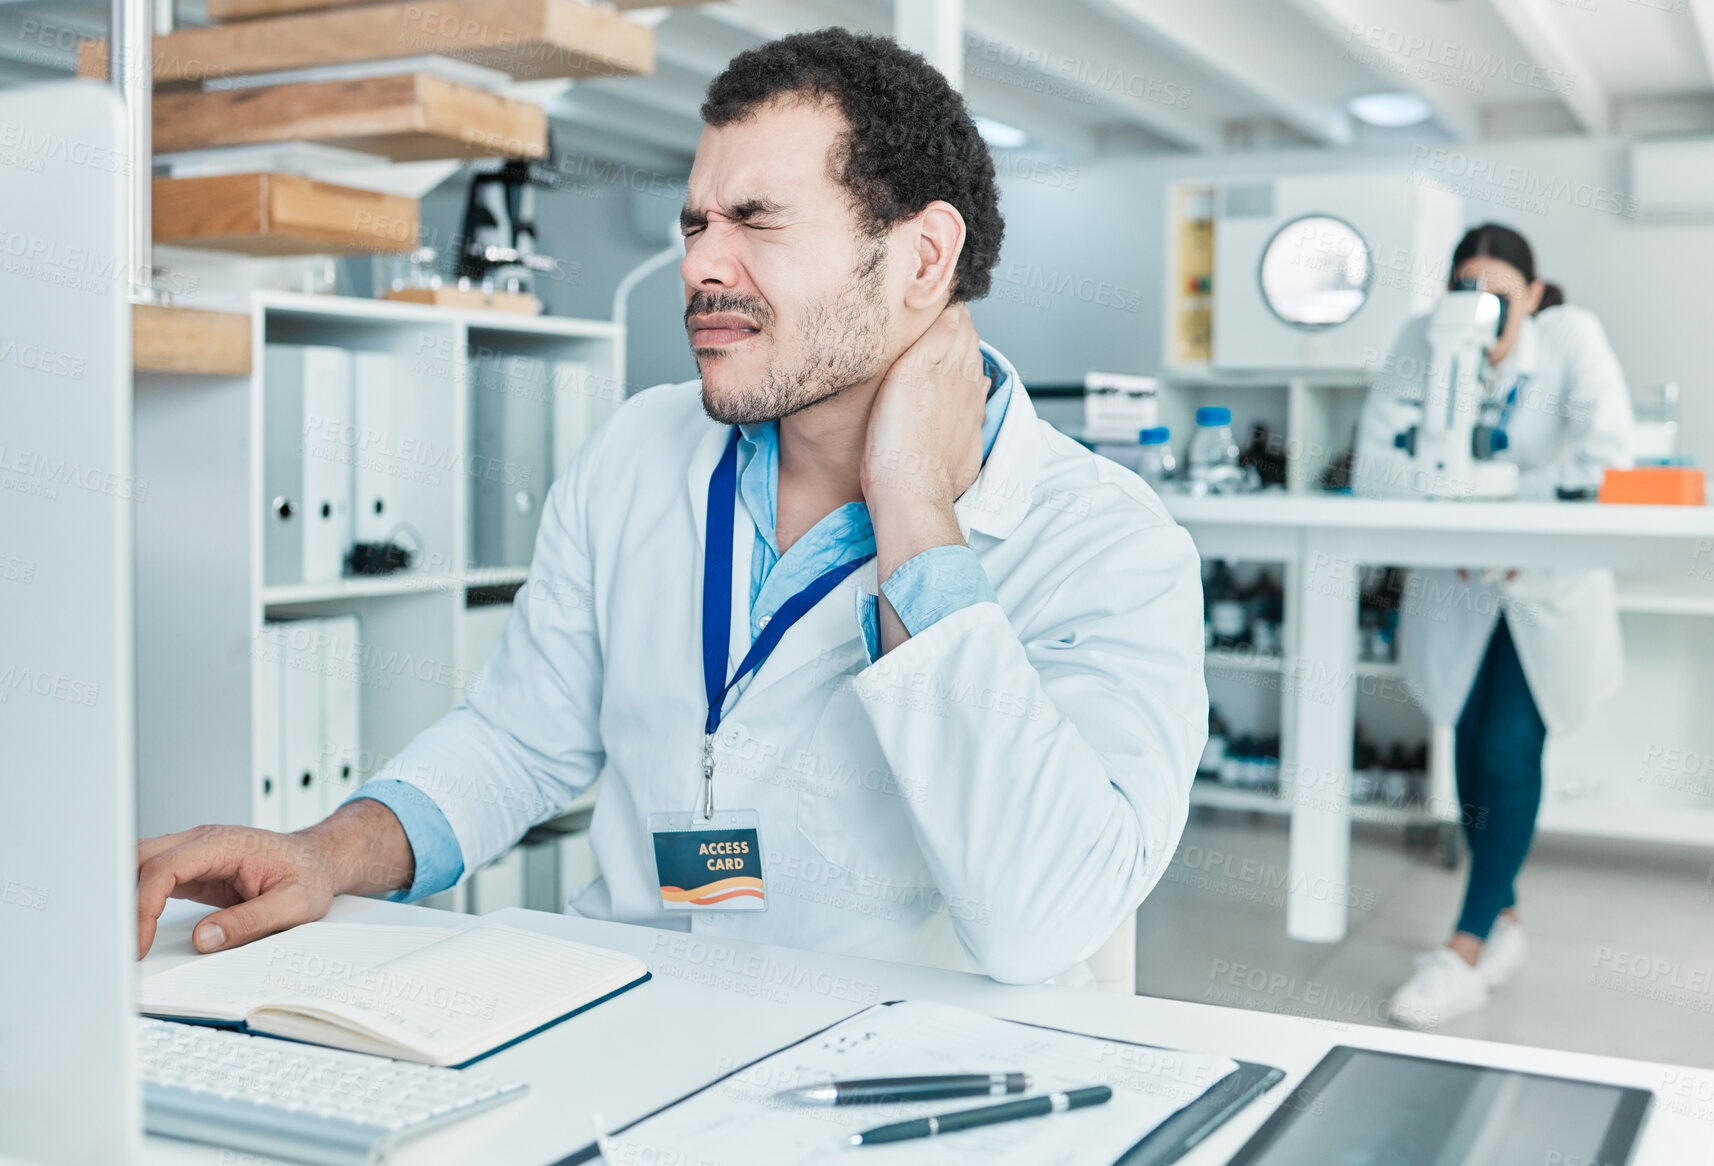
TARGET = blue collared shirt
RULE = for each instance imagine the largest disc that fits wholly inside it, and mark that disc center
(923, 590)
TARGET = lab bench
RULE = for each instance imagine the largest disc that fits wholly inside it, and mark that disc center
(1666, 557)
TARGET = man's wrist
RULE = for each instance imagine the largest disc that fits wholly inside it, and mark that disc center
(905, 526)
(364, 848)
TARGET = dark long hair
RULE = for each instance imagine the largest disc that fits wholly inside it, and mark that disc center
(1501, 243)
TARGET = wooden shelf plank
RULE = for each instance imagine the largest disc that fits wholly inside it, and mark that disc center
(410, 117)
(280, 214)
(526, 39)
(222, 10)
(469, 299)
(189, 340)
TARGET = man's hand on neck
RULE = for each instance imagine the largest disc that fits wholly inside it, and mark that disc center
(908, 445)
(923, 449)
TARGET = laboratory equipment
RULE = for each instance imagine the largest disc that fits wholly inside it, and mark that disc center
(1226, 617)
(1155, 463)
(500, 226)
(1211, 462)
(1654, 486)
(1451, 448)
(1117, 406)
(1265, 605)
(1149, 456)
(1214, 750)
(1322, 271)
(1266, 455)
(1654, 433)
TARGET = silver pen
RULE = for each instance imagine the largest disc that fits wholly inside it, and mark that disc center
(930, 1088)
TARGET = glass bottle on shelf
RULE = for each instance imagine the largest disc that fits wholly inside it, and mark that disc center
(1155, 463)
(1211, 462)
(1224, 610)
(1213, 753)
(1266, 603)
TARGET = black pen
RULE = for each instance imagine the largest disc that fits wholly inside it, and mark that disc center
(987, 1115)
(931, 1088)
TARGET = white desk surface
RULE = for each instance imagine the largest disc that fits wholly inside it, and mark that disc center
(715, 1005)
(1343, 511)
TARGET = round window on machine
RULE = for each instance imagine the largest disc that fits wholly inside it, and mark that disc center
(1315, 272)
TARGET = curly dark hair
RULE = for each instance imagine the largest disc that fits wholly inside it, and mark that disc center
(910, 139)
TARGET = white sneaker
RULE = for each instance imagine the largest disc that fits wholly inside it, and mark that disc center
(1504, 952)
(1443, 989)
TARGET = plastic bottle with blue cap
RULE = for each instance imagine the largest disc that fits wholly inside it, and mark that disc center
(1211, 463)
(1155, 463)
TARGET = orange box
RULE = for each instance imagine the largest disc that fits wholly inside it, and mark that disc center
(1654, 486)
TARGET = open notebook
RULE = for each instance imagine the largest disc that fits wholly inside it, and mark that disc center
(441, 996)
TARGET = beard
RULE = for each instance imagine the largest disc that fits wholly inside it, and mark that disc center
(836, 346)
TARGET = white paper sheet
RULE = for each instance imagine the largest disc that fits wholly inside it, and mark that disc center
(453, 1000)
(226, 984)
(743, 1120)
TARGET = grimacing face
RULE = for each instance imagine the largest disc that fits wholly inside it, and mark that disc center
(1522, 297)
(785, 296)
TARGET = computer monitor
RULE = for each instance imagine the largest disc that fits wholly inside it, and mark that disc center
(68, 1091)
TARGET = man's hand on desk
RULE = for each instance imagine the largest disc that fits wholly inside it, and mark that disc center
(267, 882)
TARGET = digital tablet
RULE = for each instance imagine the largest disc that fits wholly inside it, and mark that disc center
(1359, 1107)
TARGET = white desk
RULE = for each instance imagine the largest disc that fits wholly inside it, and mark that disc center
(1330, 537)
(714, 1006)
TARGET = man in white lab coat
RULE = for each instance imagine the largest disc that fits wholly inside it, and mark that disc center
(970, 736)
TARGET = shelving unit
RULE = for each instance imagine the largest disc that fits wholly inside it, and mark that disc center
(200, 529)
(1639, 769)
(527, 39)
(1311, 417)
(1252, 690)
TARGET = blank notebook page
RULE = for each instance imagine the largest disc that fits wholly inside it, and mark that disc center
(225, 984)
(481, 987)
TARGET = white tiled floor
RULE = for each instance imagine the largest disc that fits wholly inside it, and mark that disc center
(1621, 938)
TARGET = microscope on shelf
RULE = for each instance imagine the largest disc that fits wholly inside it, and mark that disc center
(1452, 445)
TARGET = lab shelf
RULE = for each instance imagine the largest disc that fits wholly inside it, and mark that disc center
(367, 587)
(201, 600)
(1225, 797)
(1242, 661)
(1220, 797)
(495, 576)
(1653, 599)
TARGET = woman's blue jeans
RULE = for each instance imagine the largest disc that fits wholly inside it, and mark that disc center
(1498, 761)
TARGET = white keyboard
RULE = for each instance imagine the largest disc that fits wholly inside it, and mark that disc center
(290, 1100)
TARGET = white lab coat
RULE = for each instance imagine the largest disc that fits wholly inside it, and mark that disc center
(998, 793)
(1572, 419)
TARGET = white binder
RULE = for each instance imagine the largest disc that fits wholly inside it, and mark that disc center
(306, 475)
(268, 792)
(374, 500)
(341, 671)
(511, 467)
(400, 461)
(581, 402)
(301, 723)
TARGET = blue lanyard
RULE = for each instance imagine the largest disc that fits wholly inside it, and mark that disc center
(1511, 401)
(717, 605)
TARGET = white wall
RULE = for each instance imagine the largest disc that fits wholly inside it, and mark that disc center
(1085, 245)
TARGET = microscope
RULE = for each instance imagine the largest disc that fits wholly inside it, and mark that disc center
(1450, 448)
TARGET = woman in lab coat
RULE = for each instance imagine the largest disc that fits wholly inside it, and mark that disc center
(1506, 655)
